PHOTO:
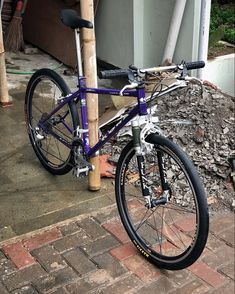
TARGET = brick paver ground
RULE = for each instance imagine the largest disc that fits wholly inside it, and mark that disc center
(94, 255)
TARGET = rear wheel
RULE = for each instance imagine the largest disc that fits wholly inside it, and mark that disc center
(44, 91)
(171, 235)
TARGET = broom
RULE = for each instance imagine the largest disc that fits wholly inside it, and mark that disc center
(13, 39)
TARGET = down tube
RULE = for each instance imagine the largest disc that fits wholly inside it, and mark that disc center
(117, 128)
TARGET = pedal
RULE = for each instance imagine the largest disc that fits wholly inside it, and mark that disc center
(81, 172)
(82, 167)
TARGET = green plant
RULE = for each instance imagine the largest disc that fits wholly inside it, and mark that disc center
(222, 19)
(229, 35)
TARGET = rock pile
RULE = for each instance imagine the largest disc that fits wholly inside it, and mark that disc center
(203, 125)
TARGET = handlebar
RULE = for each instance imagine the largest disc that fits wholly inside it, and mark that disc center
(114, 73)
(194, 65)
(124, 73)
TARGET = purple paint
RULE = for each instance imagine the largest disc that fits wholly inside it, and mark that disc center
(140, 109)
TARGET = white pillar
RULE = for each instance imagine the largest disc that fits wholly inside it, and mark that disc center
(174, 30)
(204, 34)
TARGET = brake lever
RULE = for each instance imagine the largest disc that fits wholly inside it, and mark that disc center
(133, 85)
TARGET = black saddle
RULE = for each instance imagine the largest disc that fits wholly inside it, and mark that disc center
(70, 18)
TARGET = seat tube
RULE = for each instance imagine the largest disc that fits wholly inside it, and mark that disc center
(78, 50)
(84, 120)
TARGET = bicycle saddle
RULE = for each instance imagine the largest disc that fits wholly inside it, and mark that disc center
(70, 18)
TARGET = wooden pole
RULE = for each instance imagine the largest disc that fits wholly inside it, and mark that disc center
(90, 71)
(4, 97)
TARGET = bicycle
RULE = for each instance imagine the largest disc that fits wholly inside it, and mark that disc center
(153, 174)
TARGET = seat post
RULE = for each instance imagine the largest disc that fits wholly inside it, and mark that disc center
(78, 50)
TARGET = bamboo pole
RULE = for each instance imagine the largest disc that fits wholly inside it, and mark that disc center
(4, 97)
(90, 70)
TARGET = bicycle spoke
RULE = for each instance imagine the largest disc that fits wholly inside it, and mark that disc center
(179, 237)
(180, 209)
(49, 153)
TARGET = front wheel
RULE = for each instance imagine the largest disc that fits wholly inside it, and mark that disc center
(171, 235)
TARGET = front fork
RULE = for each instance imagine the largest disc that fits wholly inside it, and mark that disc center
(146, 189)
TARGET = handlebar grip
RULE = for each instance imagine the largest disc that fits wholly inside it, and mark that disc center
(195, 65)
(114, 73)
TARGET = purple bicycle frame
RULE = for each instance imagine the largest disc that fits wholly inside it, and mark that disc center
(140, 108)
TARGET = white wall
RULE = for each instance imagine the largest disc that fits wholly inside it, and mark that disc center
(135, 31)
(220, 71)
(114, 32)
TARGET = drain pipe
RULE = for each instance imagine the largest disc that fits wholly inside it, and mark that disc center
(204, 35)
(174, 31)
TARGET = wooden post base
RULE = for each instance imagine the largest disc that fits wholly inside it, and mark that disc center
(94, 176)
(5, 104)
(4, 98)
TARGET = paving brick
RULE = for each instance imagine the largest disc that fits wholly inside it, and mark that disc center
(57, 279)
(193, 287)
(100, 246)
(228, 270)
(18, 254)
(207, 274)
(69, 229)
(117, 230)
(111, 265)
(225, 289)
(79, 261)
(49, 258)
(178, 278)
(162, 285)
(167, 248)
(59, 291)
(176, 237)
(42, 239)
(80, 286)
(186, 224)
(125, 285)
(221, 223)
(124, 251)
(71, 241)
(150, 234)
(213, 242)
(6, 267)
(92, 228)
(220, 257)
(44, 284)
(25, 290)
(228, 236)
(3, 289)
(143, 269)
(23, 277)
(90, 282)
(108, 215)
